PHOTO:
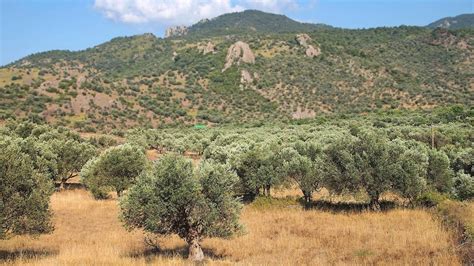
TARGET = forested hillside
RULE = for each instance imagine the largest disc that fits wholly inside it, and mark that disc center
(224, 71)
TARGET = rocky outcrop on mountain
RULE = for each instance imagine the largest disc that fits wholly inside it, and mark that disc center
(237, 53)
(207, 48)
(176, 31)
(312, 51)
(245, 77)
(303, 39)
(175, 55)
(444, 37)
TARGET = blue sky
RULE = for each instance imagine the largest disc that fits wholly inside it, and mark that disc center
(29, 26)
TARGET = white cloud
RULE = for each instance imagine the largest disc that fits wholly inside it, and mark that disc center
(174, 12)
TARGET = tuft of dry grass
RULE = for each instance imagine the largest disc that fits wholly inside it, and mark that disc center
(88, 232)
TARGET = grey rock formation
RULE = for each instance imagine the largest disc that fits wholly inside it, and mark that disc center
(245, 77)
(176, 31)
(312, 51)
(237, 53)
(303, 39)
(207, 48)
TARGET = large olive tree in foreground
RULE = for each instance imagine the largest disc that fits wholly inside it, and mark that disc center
(117, 167)
(174, 199)
(24, 192)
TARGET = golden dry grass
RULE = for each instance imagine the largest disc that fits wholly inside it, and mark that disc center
(88, 232)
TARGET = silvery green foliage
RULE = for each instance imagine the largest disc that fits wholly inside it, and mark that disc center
(257, 168)
(440, 175)
(339, 165)
(42, 154)
(117, 168)
(461, 159)
(58, 152)
(303, 162)
(350, 148)
(173, 198)
(24, 192)
(463, 188)
(217, 183)
(138, 137)
(91, 177)
(300, 169)
(71, 155)
(409, 166)
(375, 164)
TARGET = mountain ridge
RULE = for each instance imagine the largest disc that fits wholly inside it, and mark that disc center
(457, 22)
(248, 21)
(144, 80)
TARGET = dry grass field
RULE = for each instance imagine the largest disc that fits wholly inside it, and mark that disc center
(88, 232)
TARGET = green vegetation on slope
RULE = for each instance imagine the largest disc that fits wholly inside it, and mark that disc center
(249, 21)
(151, 82)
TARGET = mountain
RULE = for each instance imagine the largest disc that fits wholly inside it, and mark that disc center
(301, 71)
(458, 22)
(245, 22)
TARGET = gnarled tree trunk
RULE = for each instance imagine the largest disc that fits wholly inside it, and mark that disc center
(375, 203)
(195, 251)
(267, 190)
(307, 199)
(62, 184)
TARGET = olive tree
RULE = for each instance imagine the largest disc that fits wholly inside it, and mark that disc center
(24, 192)
(461, 159)
(175, 199)
(463, 188)
(375, 164)
(71, 155)
(440, 176)
(302, 170)
(117, 167)
(258, 169)
(340, 167)
(408, 167)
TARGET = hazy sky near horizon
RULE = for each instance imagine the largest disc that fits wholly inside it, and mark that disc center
(30, 26)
